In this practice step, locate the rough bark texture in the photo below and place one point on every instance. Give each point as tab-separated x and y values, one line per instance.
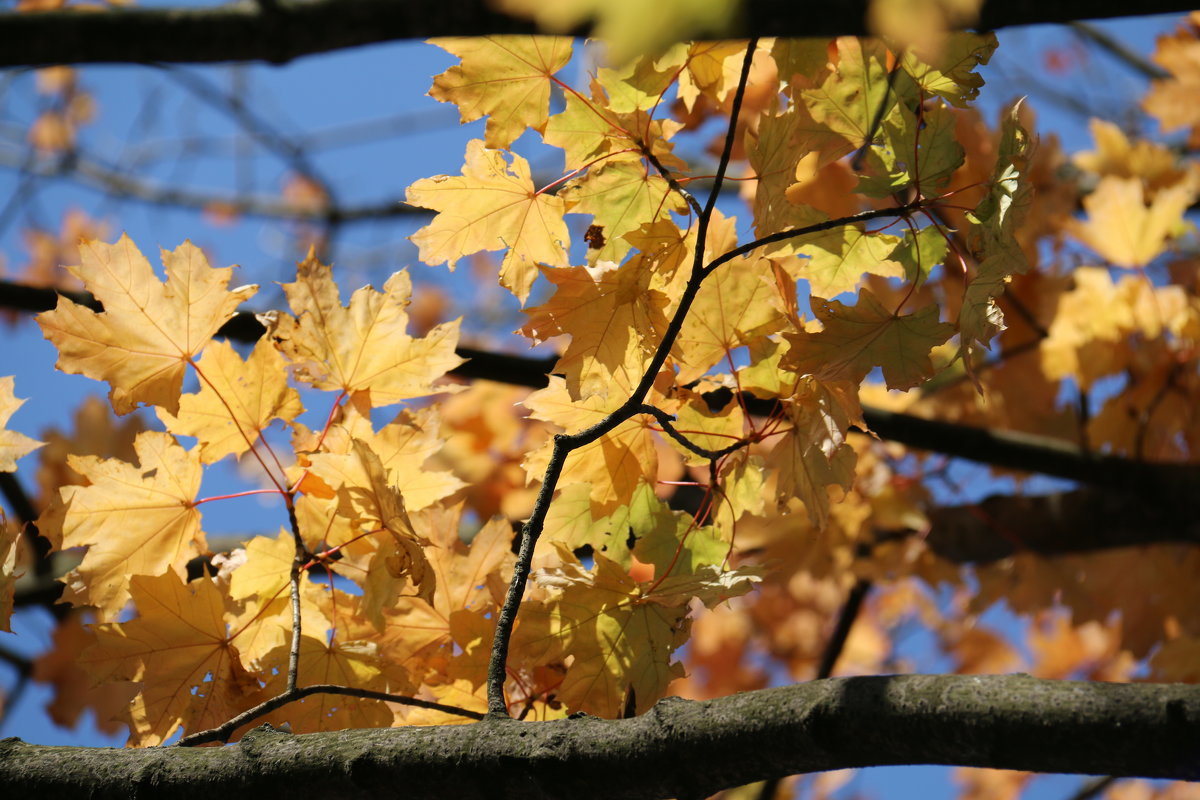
678	749
287	29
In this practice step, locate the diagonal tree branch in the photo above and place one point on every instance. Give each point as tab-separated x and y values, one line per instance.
287	29
677	749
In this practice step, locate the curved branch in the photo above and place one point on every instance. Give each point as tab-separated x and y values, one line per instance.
288	29
222	732
679	748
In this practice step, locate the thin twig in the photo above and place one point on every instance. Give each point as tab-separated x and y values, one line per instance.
1093	787
300	557
222	732
841	631
1120	51
22	664
565	443
666	421
102	178
692	202
782	236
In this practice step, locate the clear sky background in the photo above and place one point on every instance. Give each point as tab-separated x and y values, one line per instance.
366	124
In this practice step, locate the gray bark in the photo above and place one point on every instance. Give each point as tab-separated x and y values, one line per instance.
678	749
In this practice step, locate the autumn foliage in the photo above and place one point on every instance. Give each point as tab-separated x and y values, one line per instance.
697	481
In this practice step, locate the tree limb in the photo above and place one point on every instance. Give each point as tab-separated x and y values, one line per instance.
679	748
288	29
1080	521
1171	483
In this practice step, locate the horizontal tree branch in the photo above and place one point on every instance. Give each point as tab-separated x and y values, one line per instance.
283	30
1080	521
1005	449
679	748
101	178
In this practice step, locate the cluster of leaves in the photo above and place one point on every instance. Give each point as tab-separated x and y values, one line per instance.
883	245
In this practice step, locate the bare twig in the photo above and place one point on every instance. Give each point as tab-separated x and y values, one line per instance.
688	197
299	558
564	444
222	732
1119	51
1092	788
119	184
666	422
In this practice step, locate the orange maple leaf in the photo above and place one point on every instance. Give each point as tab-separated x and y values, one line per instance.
148	331
179	649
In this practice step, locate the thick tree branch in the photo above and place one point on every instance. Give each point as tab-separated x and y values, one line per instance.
677	749
1080	521
288	29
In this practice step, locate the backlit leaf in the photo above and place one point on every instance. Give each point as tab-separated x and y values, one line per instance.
505	78
362	348
134	520
492	206
856	339
13	445
148	331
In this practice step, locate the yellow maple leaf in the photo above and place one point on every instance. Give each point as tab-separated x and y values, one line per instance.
134	520
850	98
361	348
10	548
615	321
1173	100
492	206
506	78
736	305
355	664
712	69
614	464
179	649
13	445
641	84
588	130
403	446
856	339
1123	229
621	197
367	499
148	331
1116	155
419	635
236	402
259	587
947	68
